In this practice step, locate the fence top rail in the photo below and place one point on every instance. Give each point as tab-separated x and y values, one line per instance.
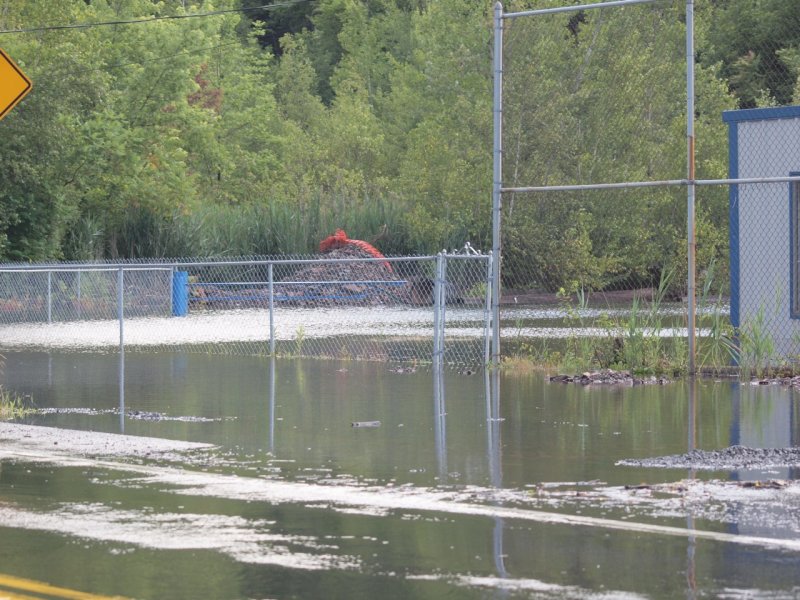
79	268
641	184
562	9
394	282
172	265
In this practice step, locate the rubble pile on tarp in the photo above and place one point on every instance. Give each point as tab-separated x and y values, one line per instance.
337	282
334	282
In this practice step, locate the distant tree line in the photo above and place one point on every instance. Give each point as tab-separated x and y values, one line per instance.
262	131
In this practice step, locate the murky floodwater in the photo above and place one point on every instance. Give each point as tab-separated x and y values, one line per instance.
469	487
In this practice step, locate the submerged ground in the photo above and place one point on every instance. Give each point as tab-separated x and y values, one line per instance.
235	477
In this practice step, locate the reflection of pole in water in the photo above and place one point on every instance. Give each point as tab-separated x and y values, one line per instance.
692	424
497	545
691	577
736	416
492	394
272	404
493	451
794	434
121	317
122	390
440	422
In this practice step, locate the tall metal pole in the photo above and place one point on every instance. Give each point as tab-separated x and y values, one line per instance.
487	317
690	210
121	315
497	178
49	296
437	313
271	312
78	295
121	308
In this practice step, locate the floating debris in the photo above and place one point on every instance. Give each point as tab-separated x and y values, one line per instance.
141	415
769	484
144	415
609	377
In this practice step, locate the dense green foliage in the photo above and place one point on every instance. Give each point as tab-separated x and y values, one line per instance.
262	131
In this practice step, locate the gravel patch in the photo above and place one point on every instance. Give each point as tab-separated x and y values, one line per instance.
731	458
609	377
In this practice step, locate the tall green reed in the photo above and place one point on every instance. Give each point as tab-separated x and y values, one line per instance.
259	229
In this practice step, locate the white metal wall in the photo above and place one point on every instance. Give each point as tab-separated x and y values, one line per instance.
765	143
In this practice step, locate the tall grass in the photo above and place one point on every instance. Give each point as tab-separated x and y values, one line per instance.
633	339
645	348
270	228
12	406
580	351
718	349
756	354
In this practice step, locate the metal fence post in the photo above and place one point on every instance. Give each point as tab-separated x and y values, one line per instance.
78	294
271	311
497	176
437	300
690	201
442	302
487	313
49	296
121	308
172	286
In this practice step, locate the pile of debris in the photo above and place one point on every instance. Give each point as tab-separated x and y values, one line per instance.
337	282
345	278
609	377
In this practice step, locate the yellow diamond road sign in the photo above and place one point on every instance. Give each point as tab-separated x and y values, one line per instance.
13	84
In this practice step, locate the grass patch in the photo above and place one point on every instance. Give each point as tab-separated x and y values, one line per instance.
638	340
13	406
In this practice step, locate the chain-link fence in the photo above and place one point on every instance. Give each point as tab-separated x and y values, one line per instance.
612	229
409	310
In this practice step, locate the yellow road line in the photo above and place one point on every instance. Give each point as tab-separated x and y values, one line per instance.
9	596
37	587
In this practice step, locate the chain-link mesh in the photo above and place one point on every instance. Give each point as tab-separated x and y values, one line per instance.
343	307
41	295
599	97
594	97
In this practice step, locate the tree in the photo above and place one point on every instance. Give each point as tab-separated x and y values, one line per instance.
754	42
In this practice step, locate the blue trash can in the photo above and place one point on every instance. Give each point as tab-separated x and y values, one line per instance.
180	293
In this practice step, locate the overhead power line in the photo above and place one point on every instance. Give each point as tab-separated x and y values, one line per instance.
152	19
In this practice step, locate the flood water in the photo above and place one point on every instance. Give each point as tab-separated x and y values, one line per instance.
471	486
